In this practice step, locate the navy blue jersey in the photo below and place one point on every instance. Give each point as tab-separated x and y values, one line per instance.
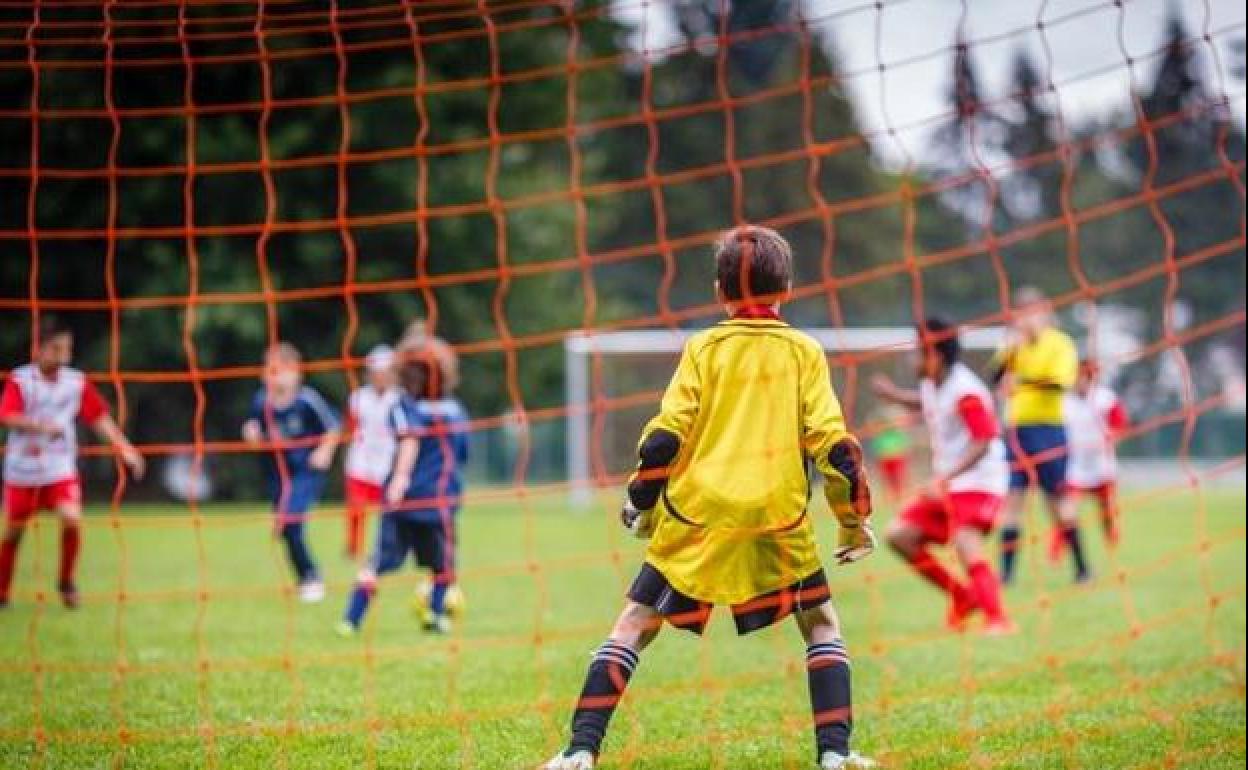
437	480
303	420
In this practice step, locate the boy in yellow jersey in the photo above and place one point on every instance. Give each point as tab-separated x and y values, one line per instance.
722	492
1036	371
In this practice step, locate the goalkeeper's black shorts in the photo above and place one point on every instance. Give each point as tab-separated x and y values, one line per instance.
651	588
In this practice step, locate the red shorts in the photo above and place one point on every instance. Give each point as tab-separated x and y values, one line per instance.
22	503
939	519
362	492
893	469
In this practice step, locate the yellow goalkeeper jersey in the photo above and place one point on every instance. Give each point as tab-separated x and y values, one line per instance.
1043	370
752	404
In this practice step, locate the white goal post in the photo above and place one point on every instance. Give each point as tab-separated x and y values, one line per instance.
580	348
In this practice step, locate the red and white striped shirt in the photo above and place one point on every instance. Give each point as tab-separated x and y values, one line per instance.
34	459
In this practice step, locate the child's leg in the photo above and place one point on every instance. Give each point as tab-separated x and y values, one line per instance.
391	549
20	505
70	512
1107	499
297	548
608	675
969	545
357	510
909	540
1064	511
828	676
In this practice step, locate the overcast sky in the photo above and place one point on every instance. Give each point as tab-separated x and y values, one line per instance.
1089	42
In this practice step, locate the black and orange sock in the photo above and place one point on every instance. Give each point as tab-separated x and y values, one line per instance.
605	682
827	674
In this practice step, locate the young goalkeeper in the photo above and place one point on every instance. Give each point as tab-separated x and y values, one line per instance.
722	491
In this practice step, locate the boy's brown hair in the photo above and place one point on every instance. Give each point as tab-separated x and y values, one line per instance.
754	264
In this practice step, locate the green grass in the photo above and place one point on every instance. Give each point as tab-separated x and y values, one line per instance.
1143	670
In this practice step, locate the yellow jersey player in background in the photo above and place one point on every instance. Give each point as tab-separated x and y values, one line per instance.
1035	372
722	492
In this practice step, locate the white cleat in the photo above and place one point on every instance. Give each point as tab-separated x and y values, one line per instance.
311	592
579	760
855	761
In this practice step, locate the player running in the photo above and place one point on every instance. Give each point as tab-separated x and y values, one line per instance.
40	405
370	453
423	493
303	433
721	489
1095	418
1035	372
970	476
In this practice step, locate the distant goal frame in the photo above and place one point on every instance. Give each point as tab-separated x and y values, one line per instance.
580	348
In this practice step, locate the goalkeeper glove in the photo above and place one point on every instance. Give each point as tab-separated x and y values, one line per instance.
640	523
854	542
849	496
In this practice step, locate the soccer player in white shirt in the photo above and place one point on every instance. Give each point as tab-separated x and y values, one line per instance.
40	405
970	478
370	454
1095	418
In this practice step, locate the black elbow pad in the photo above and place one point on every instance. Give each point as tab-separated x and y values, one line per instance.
845	457
658	451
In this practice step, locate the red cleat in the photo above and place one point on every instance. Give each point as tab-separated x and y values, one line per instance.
961	605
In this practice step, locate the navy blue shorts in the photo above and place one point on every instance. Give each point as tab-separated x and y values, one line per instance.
651	589
1040	449
427	542
300	492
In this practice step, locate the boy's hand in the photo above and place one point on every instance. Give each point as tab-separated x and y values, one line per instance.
134	461
640	523
854	543
252	432
322	457
394	493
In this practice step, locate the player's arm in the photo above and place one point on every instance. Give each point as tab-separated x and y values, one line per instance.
1117	419
107	429
253	426
13	413
660	444
838	458
94	412
404	462
331	432
884	387
980	422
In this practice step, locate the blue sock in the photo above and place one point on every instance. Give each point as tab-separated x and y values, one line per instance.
437	597
357	605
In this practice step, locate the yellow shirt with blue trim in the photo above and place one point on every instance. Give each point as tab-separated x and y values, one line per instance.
1042	371
753	406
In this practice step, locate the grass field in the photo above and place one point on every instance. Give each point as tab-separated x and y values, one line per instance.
190	652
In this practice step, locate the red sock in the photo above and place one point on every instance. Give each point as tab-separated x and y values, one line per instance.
987	590
71	539
355	528
8	558
936	573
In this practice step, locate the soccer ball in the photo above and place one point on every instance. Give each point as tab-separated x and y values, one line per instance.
424	589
